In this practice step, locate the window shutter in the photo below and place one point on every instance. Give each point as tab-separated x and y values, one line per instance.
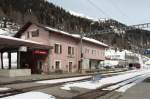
60	49
72	50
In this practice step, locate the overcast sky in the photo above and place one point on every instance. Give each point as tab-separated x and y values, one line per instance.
127	11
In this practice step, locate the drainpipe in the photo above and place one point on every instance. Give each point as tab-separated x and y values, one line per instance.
48	61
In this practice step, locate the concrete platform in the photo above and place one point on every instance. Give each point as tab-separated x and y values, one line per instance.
15	72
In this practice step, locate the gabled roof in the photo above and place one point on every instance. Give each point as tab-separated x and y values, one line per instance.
19	33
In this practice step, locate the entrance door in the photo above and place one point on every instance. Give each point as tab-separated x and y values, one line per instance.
79	66
57	65
39	66
70	66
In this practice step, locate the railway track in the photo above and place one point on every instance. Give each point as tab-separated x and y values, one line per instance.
97	93
11	92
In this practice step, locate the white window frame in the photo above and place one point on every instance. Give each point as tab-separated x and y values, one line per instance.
72	52
93	52
87	50
31	33
59	48
55	64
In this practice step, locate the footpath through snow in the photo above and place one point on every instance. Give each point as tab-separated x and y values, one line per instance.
104	81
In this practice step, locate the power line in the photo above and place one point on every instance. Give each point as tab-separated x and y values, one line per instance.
98	8
117	7
132	27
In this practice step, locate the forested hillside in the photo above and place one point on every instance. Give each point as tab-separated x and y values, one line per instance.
19	12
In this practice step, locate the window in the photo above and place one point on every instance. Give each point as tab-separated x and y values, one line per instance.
70	50
101	53
93	51
35	33
28	34
57	65
87	51
58	48
70	66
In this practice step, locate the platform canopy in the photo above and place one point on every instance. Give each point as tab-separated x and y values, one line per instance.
7	42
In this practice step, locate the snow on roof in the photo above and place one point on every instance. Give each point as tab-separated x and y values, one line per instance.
59	31
77	36
94	41
22	40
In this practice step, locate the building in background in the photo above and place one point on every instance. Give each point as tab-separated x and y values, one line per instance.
121	58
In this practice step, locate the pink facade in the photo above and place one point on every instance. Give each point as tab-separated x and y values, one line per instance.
63	41
93	51
42	38
63	57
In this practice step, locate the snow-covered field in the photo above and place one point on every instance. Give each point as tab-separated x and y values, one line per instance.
31	95
108	80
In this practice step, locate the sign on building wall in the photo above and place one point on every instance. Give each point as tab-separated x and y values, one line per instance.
42	52
23	49
147	52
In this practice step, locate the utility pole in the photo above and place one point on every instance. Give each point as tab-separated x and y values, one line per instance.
81	49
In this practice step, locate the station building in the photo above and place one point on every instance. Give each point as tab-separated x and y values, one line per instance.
52	50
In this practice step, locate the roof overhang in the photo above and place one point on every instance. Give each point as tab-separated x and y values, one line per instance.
12	42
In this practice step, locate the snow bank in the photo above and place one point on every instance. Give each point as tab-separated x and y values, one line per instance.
31	95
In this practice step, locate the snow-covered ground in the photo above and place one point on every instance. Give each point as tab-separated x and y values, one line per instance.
31	95
104	81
